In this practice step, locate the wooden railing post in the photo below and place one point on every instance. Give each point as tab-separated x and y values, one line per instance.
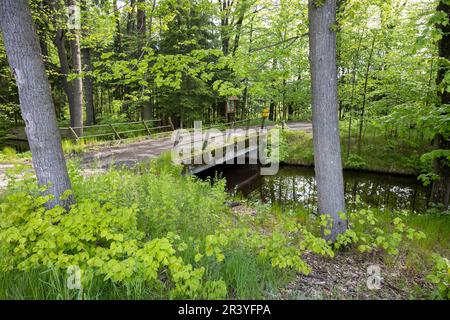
171	124
177	139
115	132
146	128
74	133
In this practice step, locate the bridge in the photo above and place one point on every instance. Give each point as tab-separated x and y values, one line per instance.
132	153
122	152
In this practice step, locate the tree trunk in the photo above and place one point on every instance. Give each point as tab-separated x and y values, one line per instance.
118	33
366	82
141	31
237	37
77	83
130	18
36	104
60	43
225	25
88	87
441	188
147	108
352	97
141	25
88	83
327	147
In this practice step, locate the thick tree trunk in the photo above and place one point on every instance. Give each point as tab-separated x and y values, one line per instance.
36	104
441	187
327	147
77	83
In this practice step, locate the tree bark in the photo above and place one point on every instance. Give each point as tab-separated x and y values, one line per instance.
36	104
77	83
147	108
60	42
130	18
88	86
441	187
352	97
366	82
327	147
118	33
88	83
225	32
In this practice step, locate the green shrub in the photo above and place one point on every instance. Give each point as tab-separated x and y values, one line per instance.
101	239
368	234
440	276
355	162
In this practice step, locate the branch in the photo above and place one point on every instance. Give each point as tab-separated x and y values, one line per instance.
293	39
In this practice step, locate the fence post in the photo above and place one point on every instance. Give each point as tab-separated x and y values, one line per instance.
115	132
171	124
177	139
146	127
74	133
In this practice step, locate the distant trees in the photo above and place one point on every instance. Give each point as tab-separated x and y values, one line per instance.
327	146
38	112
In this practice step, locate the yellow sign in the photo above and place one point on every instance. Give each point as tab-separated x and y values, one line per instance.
266	112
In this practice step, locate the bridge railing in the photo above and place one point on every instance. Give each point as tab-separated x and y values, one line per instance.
121	131
118	130
233	124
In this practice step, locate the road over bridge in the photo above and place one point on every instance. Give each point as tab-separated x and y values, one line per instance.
129	154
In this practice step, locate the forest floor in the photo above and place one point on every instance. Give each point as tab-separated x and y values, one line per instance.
346	275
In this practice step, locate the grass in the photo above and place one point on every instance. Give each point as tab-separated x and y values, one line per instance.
51	284
397	155
10	156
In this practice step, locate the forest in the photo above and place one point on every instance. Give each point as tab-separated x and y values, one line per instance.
349	99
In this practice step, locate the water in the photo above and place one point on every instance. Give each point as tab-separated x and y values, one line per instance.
297	186
17	144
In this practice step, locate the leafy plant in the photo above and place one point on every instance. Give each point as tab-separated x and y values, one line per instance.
440	275
368	235
355	161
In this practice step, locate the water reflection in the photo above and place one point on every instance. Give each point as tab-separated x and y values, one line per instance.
17	144
297	186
